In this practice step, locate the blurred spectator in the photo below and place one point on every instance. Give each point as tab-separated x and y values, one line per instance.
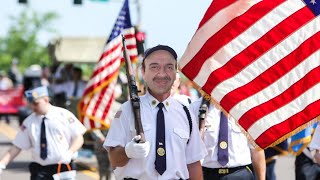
73	88
5	82
32	77
184	89
63	73
14	73
45	76
194	93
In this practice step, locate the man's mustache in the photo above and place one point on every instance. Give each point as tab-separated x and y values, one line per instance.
161	78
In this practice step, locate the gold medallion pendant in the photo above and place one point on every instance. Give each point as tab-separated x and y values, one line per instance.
161	151
223	145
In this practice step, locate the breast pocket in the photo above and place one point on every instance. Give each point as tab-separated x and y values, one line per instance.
238	138
211	135
181	137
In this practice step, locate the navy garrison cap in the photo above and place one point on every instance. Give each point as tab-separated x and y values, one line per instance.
36	93
160	47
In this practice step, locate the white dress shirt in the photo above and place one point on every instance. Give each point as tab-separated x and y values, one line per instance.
61	127
178	152
238	145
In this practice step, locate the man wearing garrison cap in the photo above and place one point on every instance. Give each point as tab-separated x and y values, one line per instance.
52	133
173	148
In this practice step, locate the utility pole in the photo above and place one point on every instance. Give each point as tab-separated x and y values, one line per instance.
138	14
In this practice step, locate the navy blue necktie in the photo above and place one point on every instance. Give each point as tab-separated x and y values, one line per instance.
43	140
160	163
75	90
223	140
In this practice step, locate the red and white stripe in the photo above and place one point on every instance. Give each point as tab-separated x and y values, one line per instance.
98	97
260	61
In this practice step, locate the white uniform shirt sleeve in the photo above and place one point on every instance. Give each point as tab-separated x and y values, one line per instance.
22	139
75	126
117	132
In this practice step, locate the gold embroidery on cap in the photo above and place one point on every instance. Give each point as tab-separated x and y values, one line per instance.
35	94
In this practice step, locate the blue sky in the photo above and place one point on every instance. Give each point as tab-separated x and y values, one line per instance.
171	22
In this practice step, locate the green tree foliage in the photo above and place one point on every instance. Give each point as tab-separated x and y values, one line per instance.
21	41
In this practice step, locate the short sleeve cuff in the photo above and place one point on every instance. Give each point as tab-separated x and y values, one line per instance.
111	143
198	157
19	145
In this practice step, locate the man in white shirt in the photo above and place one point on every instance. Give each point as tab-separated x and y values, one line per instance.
240	154
53	135
173	149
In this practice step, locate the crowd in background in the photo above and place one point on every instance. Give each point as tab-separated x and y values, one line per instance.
66	84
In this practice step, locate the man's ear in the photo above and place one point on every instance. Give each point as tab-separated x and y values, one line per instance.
46	99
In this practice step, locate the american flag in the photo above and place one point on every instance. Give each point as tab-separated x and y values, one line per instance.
94	107
260	61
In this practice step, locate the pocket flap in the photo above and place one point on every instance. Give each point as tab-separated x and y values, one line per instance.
181	133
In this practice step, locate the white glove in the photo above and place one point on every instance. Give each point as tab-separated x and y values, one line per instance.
2	167
137	150
66	158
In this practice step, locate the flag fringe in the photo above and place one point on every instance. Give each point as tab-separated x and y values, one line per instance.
282	153
103	123
250	139
291	151
302	127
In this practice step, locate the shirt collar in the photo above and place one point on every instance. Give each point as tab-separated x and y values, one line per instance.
153	102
